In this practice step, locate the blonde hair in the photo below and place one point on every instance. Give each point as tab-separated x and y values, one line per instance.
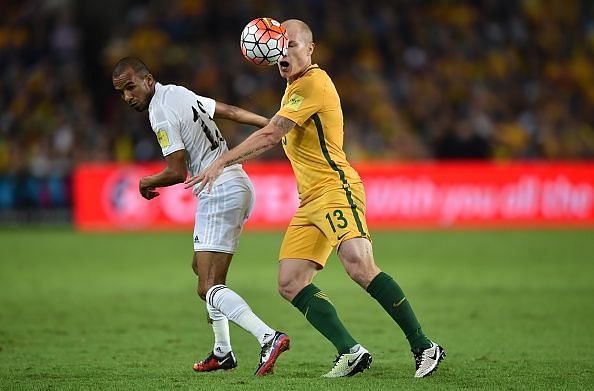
303	29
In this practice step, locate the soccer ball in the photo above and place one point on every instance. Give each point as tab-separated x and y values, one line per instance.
263	41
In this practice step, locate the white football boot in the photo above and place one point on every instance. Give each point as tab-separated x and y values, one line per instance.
428	360
349	364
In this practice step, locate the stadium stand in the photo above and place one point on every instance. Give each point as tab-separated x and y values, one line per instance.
419	79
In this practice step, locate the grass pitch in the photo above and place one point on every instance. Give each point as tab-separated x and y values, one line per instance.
514	310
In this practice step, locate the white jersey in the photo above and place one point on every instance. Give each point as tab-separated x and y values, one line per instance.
183	120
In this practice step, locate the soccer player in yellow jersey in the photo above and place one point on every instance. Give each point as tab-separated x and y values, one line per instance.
331	213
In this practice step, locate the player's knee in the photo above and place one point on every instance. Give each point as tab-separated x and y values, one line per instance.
358	276
201	292
362	273
287	288
195	265
203	289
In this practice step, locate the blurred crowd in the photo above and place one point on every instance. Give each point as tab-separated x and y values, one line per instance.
481	79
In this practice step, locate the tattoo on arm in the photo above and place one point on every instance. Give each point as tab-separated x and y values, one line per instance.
282	125
244	156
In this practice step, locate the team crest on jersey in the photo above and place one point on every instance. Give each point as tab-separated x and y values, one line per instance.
294	102
163	138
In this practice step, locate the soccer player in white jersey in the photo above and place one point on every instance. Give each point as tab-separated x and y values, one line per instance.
184	125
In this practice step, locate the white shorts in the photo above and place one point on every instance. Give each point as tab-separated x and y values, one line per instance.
221	213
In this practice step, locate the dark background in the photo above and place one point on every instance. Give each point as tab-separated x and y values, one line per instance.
419	80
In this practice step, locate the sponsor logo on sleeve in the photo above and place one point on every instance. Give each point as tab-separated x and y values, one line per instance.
294	102
163	138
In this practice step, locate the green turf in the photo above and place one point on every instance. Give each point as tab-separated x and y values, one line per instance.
514	310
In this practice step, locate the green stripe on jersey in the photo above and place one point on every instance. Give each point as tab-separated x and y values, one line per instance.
341	175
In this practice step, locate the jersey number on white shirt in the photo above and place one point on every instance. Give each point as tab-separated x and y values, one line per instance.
212	135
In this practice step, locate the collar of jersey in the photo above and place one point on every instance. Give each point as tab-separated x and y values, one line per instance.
158	87
309	68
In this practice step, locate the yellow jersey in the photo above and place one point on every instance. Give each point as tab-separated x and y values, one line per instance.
314	145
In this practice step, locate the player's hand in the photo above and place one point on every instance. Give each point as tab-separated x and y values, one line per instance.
206	177
146	191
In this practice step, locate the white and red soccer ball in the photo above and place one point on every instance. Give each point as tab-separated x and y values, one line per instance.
263	41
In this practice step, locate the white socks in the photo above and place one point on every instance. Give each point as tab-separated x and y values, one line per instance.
222	304
220	328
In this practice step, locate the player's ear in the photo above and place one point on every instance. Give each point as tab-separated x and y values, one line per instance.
150	80
310	49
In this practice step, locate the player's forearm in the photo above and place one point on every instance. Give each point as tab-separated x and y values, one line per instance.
167	177
247	117
256	120
256	144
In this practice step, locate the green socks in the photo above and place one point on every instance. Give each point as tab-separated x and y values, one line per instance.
387	292
320	312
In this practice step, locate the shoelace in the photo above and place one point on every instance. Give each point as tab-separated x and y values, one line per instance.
267	346
418	358
336	360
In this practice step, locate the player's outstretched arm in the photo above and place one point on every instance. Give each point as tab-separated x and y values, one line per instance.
237	114
175	172
257	143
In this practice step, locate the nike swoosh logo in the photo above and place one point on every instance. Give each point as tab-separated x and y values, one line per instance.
434	357
342	236
395	305
350	363
223	361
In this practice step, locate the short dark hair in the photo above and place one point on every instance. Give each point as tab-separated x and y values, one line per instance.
133	63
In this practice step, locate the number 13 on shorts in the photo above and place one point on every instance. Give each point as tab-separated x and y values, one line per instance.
338	216
343	216
324	223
